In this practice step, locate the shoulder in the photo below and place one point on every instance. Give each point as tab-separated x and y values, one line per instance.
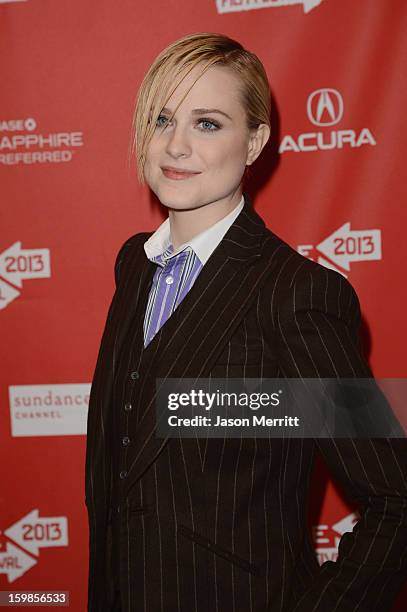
127	250
296	282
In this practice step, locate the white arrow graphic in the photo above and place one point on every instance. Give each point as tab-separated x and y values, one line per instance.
343	526
32	532
17	264
14	562
7	294
311	4
346	524
345	245
226	6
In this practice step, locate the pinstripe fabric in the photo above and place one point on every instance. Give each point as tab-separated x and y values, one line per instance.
215	525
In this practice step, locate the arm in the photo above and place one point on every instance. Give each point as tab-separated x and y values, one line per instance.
317	327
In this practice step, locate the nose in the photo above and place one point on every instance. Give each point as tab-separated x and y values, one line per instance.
177	144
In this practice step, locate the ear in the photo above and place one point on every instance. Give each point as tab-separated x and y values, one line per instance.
257	140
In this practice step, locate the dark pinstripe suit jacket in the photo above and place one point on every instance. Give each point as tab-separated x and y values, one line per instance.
220	525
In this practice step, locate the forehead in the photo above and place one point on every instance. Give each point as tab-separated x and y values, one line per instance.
218	87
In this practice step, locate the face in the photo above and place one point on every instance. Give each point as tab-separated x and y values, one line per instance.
200	156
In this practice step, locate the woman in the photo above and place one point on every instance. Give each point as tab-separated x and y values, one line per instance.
220	524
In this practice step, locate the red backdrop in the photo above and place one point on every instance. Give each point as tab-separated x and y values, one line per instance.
70	72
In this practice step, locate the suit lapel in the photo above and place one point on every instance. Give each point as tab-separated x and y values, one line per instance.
133	297
199	328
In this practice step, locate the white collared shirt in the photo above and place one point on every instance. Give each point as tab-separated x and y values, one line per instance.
203	244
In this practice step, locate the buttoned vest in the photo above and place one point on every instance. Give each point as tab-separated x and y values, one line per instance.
132	373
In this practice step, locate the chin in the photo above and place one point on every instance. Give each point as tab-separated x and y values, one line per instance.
178	196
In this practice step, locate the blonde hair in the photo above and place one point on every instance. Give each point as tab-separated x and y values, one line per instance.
182	56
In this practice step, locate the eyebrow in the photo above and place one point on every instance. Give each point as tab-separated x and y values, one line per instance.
201	111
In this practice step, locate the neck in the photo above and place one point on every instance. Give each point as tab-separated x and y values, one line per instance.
185	224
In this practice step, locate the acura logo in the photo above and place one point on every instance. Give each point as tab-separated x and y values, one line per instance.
325	107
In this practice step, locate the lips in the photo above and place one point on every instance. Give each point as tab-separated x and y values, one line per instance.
177	173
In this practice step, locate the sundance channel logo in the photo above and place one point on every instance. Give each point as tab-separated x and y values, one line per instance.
49	410
325	110
232	6
21	142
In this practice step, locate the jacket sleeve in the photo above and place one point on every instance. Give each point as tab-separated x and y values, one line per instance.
317	325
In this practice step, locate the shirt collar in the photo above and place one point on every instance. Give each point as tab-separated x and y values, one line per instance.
202	244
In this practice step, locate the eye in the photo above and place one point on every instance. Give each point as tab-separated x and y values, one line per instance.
160	123
208	125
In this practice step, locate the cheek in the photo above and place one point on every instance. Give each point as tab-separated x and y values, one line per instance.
153	153
147	171
227	154
151	164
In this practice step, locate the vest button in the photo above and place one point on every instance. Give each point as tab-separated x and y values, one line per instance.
134	375
128	407
126	441
123	474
